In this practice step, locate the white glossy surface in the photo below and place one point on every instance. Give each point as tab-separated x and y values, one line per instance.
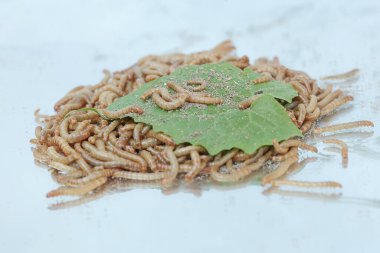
47	48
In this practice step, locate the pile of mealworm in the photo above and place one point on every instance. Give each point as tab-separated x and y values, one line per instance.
84	151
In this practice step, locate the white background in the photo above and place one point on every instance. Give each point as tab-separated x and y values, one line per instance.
49	47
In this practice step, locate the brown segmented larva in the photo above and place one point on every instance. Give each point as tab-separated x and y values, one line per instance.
280	182
106	164
325	92
164	93
75	136
55	156
151	77
187	150
248	102
285	145
299	88
161	137
157	154
145	130
105	173
312	104
172	105
335	104
306	126
140	176
62	167
105	132
69	107
224	159
342	145
204	100
149	159
343	126
63	178
128	127
293	152
148	142
281	170
136	134
196	160
329	98
240	173
81	190
262	79
314	115
347	75
174	167
292	117
129	156
100	144
201	85
256	156
314	88
103	90
302	114
122	112
241	156
177	88
82	125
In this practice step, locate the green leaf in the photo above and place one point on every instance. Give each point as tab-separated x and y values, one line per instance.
223	126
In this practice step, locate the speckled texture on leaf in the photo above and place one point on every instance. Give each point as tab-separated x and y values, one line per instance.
224	126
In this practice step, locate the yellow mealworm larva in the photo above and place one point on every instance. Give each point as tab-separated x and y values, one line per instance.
129	156
196	160
158	155
312	104
306	126
281	170
100	144
224	158
347	75
62	167
83	189
314	115
55	156
342	145
247	103
343	126
161	137
280	182
263	79
174	167
300	89
325	92
172	105
75	136
241	157
136	134
201	85
240	173
302	114
293	152
187	150
122	112
278	148
285	145
335	104
105	132
105	173
329	98
204	100
256	156
149	159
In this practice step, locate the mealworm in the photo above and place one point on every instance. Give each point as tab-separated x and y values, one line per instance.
103	90
106	173
293	152
122	112
201	85
256	156
330	97
325	92
61	167
129	156
136	134
347	75
164	93
241	173
204	100
172	105
75	136
299	88
343	126
302	114
281	170
55	156
335	104
196	160
100	145
148	142
149	159
314	115
285	145
312	104
280	182
224	158
81	190
161	137
248	102
342	145
187	150
105	132
173	167
262	79
306	126
158	155
241	156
